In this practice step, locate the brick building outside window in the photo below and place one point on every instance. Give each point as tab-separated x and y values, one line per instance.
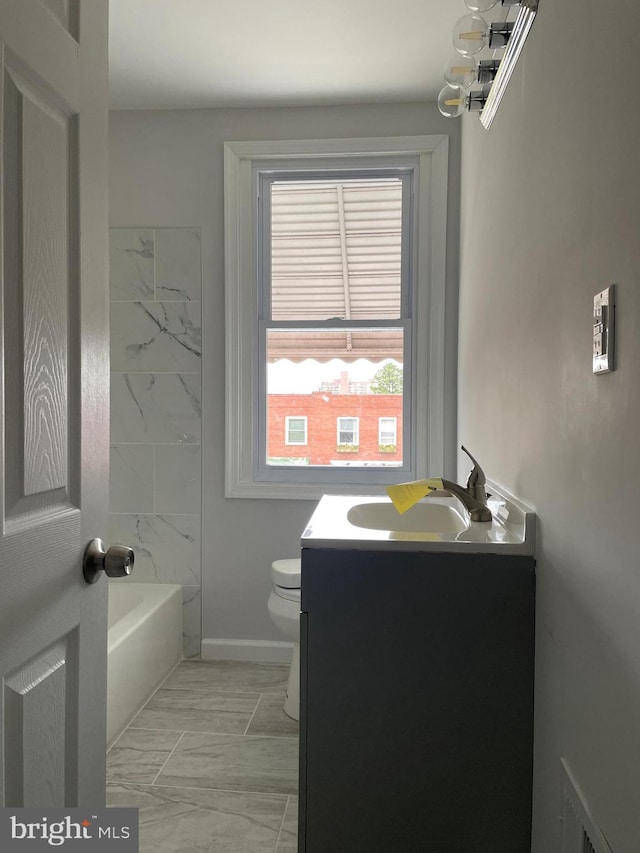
341	429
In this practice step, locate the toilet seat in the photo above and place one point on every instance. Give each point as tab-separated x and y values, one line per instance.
286	574
287	594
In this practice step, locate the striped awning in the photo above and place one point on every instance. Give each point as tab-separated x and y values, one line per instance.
348	346
336	253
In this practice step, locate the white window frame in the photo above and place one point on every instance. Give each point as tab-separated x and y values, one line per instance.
395	429
356	431
427	411
288	419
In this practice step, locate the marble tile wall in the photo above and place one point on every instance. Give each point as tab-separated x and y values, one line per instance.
155	504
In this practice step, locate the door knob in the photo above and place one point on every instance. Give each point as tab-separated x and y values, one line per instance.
116	562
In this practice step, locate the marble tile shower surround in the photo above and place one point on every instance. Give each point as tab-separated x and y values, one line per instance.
156	341
211	762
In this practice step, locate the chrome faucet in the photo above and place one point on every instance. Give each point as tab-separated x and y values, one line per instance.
474	496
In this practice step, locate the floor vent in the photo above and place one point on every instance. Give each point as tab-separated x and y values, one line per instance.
580	833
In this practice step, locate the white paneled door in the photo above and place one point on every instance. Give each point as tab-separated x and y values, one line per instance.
54	396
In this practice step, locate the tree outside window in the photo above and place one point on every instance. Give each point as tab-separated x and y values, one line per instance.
388	379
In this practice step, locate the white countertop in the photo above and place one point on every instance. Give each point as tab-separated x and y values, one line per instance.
512	530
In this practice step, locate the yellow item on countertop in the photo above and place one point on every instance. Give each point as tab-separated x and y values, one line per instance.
405	495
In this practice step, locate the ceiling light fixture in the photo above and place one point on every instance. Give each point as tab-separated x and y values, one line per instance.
471	35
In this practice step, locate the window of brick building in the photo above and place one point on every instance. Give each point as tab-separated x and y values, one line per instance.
296	430
387	432
348	431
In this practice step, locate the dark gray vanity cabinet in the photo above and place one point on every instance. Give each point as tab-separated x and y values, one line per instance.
416	724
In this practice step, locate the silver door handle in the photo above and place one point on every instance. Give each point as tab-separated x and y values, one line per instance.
116	561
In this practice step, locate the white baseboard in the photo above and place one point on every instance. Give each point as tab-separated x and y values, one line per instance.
262	651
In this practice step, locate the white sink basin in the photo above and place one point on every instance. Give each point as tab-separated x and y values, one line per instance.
427	517
436	523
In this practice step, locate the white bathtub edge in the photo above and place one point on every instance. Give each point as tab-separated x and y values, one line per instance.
124	722
147	649
259	651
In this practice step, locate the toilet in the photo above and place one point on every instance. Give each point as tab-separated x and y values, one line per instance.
284	609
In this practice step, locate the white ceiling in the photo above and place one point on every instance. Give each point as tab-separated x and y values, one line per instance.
211	53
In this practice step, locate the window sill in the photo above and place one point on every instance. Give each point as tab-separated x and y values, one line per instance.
305	491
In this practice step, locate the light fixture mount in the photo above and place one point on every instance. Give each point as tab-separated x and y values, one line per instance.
521	27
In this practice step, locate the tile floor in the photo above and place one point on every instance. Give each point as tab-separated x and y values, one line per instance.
211	762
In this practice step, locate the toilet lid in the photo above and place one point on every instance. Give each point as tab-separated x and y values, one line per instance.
286	573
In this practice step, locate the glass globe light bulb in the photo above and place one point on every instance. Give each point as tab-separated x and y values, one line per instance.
452	101
480	5
461	71
470	35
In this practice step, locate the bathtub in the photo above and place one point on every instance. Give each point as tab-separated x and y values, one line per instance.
144	645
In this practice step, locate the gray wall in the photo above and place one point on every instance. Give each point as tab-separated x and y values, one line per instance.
167	171
550	216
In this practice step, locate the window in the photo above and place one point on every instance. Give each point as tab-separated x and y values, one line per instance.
329	275
296	430
348	431
387	432
334	296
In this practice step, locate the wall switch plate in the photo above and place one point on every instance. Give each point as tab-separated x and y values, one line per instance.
603	330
